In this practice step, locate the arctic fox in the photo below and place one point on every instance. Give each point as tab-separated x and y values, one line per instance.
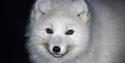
60	32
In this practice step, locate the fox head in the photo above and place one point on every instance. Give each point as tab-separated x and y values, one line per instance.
59	28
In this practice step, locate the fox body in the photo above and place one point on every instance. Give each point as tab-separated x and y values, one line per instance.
62	31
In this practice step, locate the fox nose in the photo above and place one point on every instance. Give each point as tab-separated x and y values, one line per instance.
56	49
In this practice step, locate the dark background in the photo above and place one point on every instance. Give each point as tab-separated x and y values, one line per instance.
16	14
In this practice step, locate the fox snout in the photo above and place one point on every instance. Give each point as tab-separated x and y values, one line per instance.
57	47
57	50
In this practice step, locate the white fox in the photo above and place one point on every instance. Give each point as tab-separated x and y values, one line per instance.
61	32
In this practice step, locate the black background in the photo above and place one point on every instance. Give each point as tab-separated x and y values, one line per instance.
16	14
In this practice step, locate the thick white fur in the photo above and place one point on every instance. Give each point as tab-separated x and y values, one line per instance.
95	40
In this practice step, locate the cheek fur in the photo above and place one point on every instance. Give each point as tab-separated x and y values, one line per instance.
74	50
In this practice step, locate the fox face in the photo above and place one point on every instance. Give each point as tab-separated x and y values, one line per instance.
60	32
60	35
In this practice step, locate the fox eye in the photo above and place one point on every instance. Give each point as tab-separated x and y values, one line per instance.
49	31
69	32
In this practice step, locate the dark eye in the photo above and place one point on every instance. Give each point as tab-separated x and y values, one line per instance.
69	32
49	31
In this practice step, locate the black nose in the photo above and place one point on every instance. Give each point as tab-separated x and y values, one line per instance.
56	49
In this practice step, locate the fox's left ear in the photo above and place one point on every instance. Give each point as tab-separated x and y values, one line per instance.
80	9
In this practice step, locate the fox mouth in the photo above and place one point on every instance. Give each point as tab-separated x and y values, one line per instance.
57	55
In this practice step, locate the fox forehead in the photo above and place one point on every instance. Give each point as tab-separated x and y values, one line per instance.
63	20
63	23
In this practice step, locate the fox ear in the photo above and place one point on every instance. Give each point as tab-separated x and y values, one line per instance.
40	8
80	9
44	6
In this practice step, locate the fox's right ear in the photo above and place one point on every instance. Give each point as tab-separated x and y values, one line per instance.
40	8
